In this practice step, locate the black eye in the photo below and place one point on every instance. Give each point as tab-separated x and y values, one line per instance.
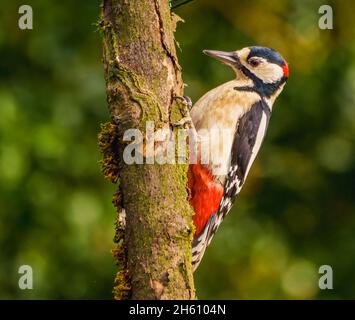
254	62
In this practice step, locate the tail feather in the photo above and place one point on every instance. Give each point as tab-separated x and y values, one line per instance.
201	242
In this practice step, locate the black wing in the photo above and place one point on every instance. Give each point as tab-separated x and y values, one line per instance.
250	131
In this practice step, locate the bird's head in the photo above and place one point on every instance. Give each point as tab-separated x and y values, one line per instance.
265	66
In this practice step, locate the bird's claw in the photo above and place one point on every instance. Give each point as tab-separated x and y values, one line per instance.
182	122
187	103
185	100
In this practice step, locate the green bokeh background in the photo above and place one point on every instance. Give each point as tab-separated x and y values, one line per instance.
296	211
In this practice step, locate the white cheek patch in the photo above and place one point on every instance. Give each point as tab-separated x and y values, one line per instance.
268	72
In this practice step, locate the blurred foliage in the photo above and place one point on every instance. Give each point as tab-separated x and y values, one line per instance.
296	211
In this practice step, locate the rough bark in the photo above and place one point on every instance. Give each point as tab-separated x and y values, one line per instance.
142	76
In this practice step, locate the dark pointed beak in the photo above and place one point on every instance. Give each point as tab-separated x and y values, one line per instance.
226	57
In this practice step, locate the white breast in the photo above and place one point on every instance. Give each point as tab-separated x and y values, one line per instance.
215	117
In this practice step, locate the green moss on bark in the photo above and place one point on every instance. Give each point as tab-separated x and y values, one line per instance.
108	140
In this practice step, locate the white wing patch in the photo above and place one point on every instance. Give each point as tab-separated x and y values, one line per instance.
259	139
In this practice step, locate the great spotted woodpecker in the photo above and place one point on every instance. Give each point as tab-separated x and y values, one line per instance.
243	106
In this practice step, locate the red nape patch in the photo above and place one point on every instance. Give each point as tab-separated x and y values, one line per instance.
205	196
285	69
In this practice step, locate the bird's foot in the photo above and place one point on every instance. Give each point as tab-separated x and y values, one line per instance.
187	104
193	136
185	100
182	122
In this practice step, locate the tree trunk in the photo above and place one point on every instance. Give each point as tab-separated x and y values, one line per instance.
142	76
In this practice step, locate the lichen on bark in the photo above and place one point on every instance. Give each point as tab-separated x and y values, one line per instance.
142	76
